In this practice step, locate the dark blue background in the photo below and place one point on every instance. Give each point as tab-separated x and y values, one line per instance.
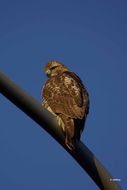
89	37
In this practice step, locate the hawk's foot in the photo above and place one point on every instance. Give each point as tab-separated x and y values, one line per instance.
70	144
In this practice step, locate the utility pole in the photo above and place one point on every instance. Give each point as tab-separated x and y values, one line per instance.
86	159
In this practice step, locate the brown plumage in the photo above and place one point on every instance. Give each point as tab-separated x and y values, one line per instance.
65	96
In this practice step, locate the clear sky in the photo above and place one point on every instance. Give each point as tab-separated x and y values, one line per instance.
89	37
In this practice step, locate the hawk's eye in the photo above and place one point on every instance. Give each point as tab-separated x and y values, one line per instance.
52	68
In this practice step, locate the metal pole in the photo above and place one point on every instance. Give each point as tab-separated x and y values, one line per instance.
46	120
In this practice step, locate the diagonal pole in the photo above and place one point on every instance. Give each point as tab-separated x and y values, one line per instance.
86	159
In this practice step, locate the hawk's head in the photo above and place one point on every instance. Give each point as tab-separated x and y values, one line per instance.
53	68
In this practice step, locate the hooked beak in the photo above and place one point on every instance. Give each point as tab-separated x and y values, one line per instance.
48	73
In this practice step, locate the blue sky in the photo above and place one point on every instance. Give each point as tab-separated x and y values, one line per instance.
89	37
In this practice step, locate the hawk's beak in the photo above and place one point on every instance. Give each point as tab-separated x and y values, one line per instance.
48	72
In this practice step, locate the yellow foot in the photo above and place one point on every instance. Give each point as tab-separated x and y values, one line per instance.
70	146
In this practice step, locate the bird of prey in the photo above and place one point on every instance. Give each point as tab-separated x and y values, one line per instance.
65	96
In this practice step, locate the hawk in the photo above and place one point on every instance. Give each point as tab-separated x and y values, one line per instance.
65	96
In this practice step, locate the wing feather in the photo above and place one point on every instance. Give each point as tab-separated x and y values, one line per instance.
66	94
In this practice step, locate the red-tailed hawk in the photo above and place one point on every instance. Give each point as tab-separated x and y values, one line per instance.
65	96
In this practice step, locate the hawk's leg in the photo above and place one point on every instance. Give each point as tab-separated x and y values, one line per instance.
69	137
69	129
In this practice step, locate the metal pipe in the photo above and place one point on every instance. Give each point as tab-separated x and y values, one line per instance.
86	159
